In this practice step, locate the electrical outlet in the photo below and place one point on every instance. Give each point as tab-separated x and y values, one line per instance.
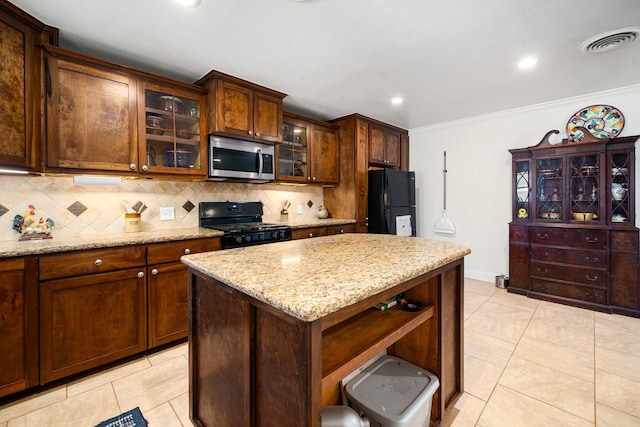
299	209
167	214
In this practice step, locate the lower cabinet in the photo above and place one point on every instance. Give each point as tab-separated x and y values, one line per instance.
308	232
95	317
168	280
18	325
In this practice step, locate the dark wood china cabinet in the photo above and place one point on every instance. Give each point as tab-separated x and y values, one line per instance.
572	238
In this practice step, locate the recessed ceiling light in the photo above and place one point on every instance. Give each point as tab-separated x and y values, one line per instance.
397	100
527	62
188	3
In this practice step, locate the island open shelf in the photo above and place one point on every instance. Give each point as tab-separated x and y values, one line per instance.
349	345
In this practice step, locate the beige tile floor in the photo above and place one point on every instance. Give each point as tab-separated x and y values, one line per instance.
527	363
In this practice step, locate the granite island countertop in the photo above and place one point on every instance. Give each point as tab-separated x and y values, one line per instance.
311	278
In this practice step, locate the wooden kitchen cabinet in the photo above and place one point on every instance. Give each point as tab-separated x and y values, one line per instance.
91	114
572	238
168	288
319	231
93	309
309	151
21	37
349	199
242	109
19	324
384	146
172	137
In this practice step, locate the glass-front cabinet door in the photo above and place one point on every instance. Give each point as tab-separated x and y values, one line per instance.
522	203
621	205
171	132
584	187
292	153
549	189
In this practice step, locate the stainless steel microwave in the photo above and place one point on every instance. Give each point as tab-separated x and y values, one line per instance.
243	160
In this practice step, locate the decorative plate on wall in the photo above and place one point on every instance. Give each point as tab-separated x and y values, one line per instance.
602	121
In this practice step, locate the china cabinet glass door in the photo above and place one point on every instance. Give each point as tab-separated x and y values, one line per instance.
584	187
620	197
522	202
549	189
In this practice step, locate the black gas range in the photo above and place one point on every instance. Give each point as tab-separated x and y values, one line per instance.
241	223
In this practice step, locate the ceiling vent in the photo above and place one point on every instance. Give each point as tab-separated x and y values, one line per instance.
610	40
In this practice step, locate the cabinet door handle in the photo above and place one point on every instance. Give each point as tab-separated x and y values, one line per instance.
251	133
187	251
140	274
341	231
591	279
313	179
154	271
132	166
97	262
591	240
591	260
145	168
543	236
310	234
257	134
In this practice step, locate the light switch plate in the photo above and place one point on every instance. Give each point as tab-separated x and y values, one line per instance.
167	214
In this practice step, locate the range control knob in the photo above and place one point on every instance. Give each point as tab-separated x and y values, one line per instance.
238	239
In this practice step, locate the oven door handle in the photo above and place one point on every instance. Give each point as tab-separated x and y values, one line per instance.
260	162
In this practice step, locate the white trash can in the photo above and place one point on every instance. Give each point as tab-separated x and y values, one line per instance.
392	392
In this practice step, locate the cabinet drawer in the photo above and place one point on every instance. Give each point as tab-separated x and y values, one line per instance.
172	251
340	229
304	233
579	238
592	259
518	233
588	276
622	241
583	293
77	263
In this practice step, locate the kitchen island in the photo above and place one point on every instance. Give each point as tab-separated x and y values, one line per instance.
274	328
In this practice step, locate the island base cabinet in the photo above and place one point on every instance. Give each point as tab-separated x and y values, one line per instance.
91	320
252	365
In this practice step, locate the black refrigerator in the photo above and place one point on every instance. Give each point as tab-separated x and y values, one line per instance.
392	202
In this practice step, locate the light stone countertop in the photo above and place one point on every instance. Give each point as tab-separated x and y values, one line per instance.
310	278
96	241
15	248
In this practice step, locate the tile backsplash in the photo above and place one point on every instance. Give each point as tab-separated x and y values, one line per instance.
78	209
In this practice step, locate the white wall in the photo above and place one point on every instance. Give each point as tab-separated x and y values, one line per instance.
479	171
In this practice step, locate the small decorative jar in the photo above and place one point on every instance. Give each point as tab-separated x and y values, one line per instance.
322	212
284	215
132	223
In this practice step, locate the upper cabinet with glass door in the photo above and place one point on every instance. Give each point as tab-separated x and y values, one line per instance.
171	131
580	183
292	153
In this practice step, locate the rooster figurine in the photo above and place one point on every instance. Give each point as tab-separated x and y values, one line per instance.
31	229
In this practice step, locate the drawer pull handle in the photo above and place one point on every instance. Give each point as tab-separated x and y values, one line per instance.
97	262
187	251
590	240
140	274
591	279
542	270
622	242
592	296
310	234
519	235
543	236
154	271
591	260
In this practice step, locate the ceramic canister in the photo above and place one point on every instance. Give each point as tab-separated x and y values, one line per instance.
132	222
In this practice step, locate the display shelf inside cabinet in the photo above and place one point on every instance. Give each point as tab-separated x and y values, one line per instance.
573	202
